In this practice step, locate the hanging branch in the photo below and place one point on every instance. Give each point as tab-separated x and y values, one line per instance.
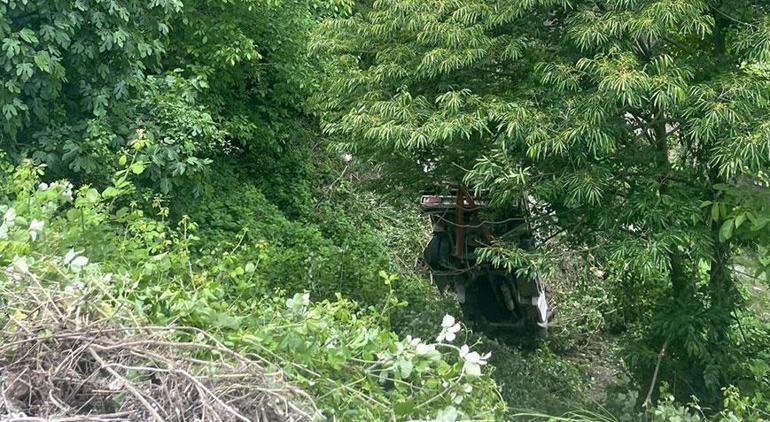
648	399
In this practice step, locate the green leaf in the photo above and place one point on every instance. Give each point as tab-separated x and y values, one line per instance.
739	219
404	408
111	192
760	223
92	196
137	168
25	70
43	61
165	185
405	368
9	111
726	231
11	47
28	35
74	214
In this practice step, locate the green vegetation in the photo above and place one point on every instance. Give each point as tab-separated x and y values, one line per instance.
340	353
245	173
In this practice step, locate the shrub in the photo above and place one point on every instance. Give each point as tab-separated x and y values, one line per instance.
344	355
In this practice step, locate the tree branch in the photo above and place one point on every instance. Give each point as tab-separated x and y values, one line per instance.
648	399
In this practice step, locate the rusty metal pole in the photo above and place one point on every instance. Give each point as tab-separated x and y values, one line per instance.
459	223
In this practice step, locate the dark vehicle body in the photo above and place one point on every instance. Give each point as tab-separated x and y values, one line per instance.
489	296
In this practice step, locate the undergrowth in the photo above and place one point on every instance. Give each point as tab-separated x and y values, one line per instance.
342	353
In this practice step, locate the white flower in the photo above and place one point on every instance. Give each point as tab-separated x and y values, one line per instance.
298	303
69	256
36	225
446	335
449	329
474	357
464	349
467	388
473	361
448	321
20	264
447	414
457	398
67	190
78	263
42	186
423	349
413	341
472	369
9	216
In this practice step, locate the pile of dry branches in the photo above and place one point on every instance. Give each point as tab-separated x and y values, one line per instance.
67	356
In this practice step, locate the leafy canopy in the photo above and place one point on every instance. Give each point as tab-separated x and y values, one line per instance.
635	128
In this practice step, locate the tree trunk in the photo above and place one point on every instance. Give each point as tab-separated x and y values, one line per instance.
678	276
722	290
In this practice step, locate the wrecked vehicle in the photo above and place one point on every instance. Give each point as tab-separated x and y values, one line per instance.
490	297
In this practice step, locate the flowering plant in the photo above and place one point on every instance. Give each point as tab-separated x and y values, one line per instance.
344	356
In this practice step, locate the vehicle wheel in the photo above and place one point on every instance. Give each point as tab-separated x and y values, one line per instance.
436	251
470	307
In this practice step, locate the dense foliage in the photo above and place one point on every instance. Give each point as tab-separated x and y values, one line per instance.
342	354
250	167
636	130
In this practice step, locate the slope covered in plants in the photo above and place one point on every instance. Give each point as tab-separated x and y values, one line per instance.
232	185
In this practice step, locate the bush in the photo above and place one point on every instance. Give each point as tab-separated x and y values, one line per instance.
101	359
344	355
328	257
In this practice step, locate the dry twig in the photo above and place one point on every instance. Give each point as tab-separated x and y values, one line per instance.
63	360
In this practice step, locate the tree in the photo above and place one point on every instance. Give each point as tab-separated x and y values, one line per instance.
67	62
253	58
635	128
201	79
